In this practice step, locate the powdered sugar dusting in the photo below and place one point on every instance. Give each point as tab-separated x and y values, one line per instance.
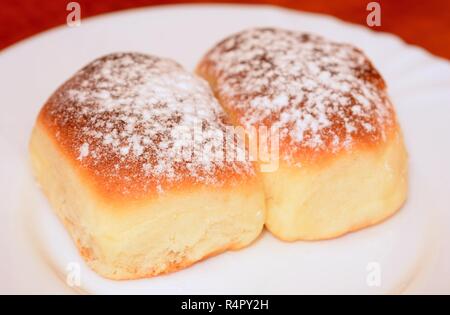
322	95
125	115
84	151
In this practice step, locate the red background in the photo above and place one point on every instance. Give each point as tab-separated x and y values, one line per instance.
424	23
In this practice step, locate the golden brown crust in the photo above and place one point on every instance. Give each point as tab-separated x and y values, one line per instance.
115	120
113	234
322	96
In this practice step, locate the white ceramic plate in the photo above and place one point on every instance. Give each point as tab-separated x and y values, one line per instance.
411	249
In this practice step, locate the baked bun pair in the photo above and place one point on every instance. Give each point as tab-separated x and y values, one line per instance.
132	151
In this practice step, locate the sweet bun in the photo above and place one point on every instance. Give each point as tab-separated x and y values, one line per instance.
104	150
342	160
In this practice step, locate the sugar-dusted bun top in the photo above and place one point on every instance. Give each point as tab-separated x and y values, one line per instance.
322	95
125	118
